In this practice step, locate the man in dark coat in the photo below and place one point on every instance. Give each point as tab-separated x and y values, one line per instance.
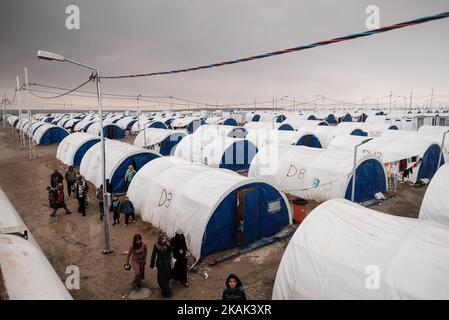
55	178
234	289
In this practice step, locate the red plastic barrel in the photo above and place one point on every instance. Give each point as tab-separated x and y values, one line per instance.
299	210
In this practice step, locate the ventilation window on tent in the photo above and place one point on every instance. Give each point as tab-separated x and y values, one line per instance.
274	206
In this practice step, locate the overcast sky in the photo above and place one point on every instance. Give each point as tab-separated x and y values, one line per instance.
136	36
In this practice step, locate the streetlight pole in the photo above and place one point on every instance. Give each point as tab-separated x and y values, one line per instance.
354	167
138	122
19	102
30	139
106	196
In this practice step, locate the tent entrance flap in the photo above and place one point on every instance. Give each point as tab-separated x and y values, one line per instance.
370	179
251	214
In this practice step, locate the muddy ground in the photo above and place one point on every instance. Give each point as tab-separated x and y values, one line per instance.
76	240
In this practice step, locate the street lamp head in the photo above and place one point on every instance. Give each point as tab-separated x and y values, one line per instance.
50	56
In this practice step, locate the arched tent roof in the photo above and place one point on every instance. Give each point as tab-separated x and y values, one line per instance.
156	124
230	122
160	140
73	147
433	130
229	153
318	174
340	244
435	206
425	155
119	156
49	134
171	193
255	118
82	125
346	118
26	272
71	123
127	123
331	118
110	131
261	137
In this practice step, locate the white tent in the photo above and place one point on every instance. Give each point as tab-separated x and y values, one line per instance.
110	130
318	174
341	248
160	140
435	205
73	147
171	193
261	137
119	156
26	272
49	133
219	151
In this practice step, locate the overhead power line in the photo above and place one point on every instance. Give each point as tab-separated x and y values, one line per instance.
294	49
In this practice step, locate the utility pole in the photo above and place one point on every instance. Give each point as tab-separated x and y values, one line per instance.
390	102
31	146
411	99
19	102
431	100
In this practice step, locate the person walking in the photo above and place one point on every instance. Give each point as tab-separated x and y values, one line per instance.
80	188
129	175
59	200
179	272
138	252
161	258
127	208
109	187
234	289
55	178
51	197
115	208
70	178
99	194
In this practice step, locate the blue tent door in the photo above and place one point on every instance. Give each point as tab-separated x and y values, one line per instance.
251	216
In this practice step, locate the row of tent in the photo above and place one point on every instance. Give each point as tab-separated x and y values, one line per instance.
345	251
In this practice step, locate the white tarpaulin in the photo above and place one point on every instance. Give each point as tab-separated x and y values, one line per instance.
116	152
172	193
71	144
26	272
435	205
314	173
345	251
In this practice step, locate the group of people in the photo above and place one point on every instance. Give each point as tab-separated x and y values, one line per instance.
77	185
161	258
163	250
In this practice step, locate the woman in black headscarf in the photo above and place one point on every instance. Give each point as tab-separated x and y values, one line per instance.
234	289
161	257
179	272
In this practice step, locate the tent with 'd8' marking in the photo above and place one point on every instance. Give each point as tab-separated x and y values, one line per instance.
207	204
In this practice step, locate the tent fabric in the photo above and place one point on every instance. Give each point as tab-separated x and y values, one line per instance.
119	156
318	174
110	130
262	137
160	140
220	152
435	205
172	193
24	280
390	151
49	134
340	247
73	147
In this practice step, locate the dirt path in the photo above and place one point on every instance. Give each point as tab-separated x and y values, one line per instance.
76	240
